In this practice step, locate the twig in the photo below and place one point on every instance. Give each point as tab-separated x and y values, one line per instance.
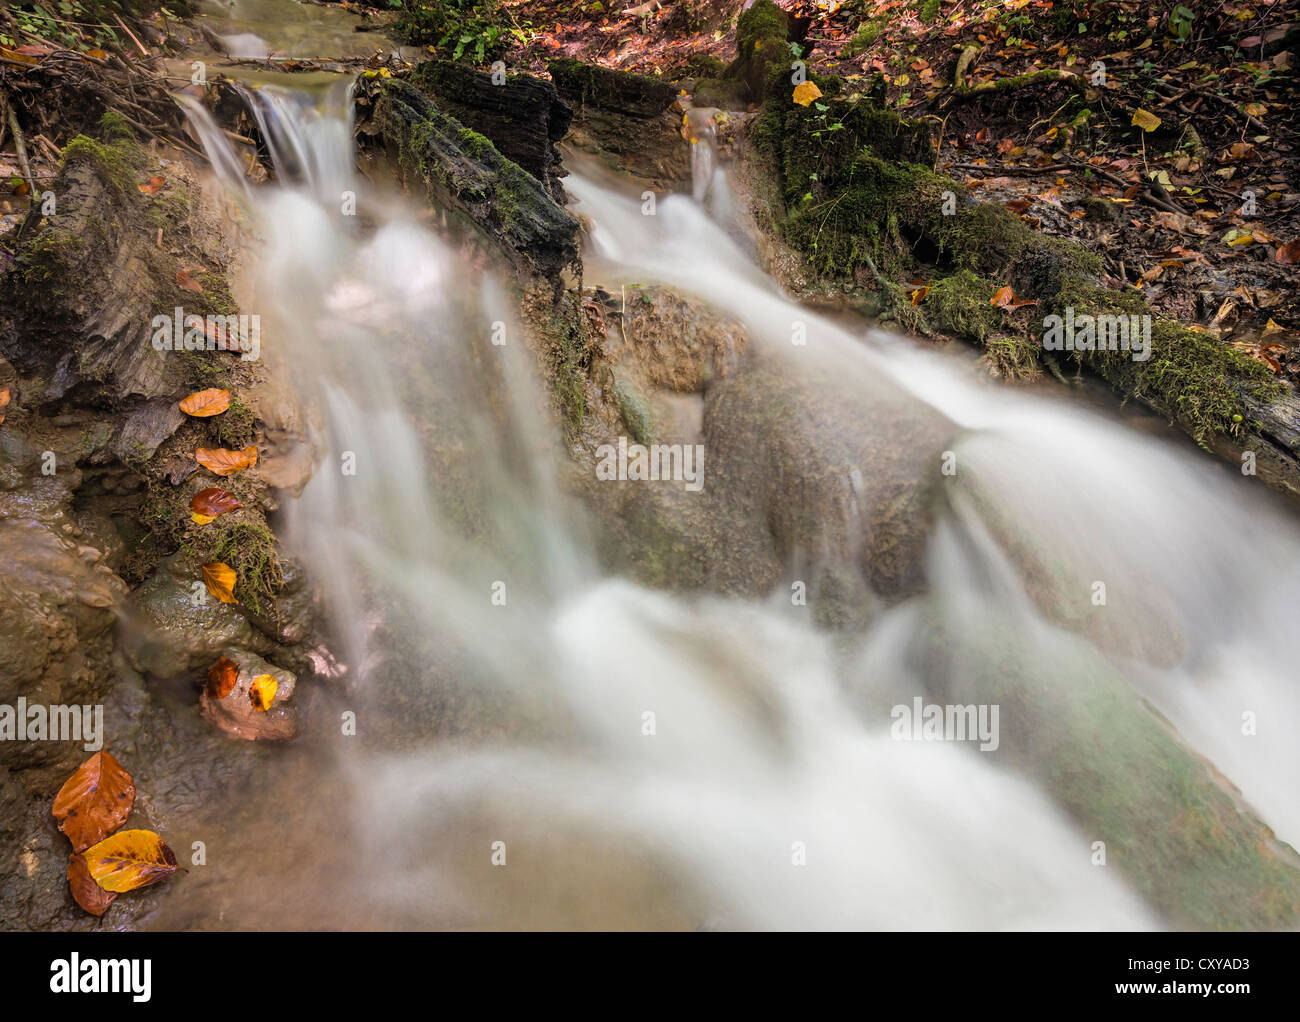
143	51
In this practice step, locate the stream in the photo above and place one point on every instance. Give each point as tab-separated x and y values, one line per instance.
501	775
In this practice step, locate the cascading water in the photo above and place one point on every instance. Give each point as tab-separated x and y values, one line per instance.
512	729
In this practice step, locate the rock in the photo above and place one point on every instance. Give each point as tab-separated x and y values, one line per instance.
524	117
167	634
235	715
56	622
671	341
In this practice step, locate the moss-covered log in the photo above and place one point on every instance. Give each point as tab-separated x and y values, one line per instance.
523	116
463	171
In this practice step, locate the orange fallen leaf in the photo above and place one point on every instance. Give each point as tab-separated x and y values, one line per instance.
153	185
223	462
220	579
130	859
261	693
94	801
185	278
204	403
4	401
85	892
222	677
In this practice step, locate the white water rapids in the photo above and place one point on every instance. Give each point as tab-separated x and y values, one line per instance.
770	746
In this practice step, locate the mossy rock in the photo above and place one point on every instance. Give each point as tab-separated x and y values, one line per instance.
761	46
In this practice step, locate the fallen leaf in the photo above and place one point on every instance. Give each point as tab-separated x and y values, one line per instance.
212	502
185	279
130	859
1286	255
806	92
261	693
918	296
4	401
222	677
220	579
204	403
1005	298
223	462
1145	120
94	801
153	185
1018	205
85	892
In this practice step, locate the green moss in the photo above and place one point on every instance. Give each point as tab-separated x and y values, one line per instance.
251	549
761	48
116	158
236	426
1014	358
867	33
959	304
634	410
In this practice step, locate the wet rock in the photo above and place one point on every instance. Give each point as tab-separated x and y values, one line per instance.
671	341
173	627
235	714
56	620
847	505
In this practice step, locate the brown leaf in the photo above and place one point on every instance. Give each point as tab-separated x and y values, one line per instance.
204	403
222	677
220	579
1287	255
94	801
185	280
1005	298
85	892
214	502
153	185
130	859
223	462
1018	205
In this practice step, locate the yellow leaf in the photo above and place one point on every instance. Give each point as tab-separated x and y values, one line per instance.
220	580
806	92
261	693
1145	120
130	859
201	519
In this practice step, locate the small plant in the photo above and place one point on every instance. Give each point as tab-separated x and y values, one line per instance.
481	30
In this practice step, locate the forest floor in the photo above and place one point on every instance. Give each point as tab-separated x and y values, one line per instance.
1166	143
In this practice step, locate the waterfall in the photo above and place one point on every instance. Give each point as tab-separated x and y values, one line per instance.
509	779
